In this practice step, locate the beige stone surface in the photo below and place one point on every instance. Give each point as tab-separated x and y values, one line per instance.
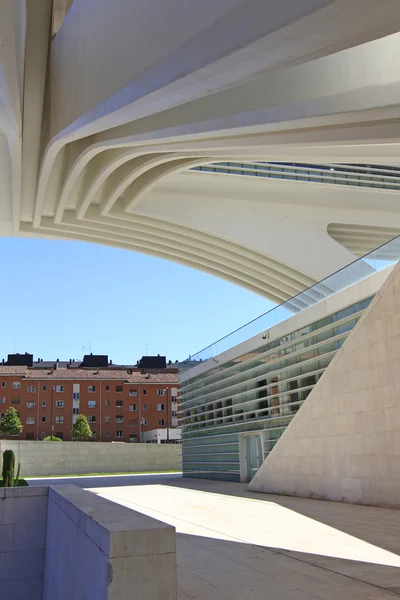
100	550
344	443
237	545
65	458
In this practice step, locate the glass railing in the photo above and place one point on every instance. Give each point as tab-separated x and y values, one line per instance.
371	176
381	258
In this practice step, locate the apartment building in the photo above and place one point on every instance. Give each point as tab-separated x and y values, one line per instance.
122	403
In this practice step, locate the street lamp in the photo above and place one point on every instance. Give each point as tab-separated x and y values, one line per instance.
166	391
52	412
142	424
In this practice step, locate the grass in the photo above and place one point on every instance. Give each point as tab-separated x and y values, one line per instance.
21	483
101	474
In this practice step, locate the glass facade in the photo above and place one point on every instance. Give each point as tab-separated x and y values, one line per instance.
259	391
371	176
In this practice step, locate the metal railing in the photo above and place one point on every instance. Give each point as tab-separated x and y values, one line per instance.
377	260
370	176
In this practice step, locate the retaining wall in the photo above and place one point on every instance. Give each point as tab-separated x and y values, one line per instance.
68	458
65	543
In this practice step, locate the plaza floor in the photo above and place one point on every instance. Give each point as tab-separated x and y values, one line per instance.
236	545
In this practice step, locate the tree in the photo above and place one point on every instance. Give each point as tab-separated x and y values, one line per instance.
10	424
81	430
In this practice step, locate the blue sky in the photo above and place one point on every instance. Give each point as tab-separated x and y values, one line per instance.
60	297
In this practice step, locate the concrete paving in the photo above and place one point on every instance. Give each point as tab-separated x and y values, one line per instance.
237	545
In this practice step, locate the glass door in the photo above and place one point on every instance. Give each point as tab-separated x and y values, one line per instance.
254	455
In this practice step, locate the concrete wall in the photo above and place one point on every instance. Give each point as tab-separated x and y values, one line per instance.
98	549
65	543
344	443
23	522
63	458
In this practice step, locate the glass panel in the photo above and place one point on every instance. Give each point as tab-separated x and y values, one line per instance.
384	256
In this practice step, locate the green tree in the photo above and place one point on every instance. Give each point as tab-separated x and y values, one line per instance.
81	430
11	424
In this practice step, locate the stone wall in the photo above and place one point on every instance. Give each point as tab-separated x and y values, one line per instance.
344	443
66	543
23	522
69	458
98	549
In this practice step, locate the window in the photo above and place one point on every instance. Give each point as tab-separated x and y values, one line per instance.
119	434
3	400
91	403
3	384
44	404
132	407
16	385
94	434
60	434
44	387
59	403
160	406
133	392
144	406
107	388
174	413
76	396
42	435
59	388
30	436
161	421
143	422
118	388
133	423
30	404
107	419
43	419
144	392
30	420
106	434
92	419
59	420
91	388
107	403
133	438
160	392
31	388
15	400
75	411
119	403
119	419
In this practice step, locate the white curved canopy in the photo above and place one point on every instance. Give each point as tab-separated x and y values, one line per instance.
100	129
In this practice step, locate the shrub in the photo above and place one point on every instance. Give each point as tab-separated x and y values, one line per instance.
52	439
9	468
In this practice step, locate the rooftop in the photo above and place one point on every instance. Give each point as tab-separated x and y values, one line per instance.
125	375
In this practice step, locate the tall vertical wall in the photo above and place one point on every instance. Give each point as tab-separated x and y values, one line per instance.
344	443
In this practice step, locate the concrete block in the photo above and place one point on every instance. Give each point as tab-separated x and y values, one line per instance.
29	536
137	575
6	538
21	565
25	589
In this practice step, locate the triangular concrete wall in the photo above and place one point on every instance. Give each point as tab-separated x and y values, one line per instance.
344	443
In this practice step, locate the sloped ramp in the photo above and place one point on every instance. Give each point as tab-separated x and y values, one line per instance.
344	443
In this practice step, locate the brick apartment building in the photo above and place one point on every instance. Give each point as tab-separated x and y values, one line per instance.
122	403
